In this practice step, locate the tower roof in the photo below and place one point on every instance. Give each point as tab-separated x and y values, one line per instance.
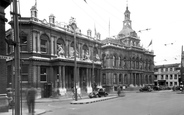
127	11
34	8
127	27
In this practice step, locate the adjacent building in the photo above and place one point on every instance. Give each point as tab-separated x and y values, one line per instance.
124	60
167	75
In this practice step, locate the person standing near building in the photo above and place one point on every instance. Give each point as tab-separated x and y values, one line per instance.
31	93
119	90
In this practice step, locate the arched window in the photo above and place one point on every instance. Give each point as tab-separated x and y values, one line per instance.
120	78
119	61
114	61
114	79
44	44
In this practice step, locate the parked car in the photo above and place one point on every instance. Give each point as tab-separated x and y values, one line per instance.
101	92
156	88
145	88
93	94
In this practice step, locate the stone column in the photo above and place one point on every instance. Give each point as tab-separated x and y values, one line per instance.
38	42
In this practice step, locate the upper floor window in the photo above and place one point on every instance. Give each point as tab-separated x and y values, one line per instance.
166	77
162	76
171	77
44	43
175	76
23	43
114	62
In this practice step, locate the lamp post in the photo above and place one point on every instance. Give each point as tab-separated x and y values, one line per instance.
73	25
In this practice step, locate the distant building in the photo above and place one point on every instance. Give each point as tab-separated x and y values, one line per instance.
167	75
124	60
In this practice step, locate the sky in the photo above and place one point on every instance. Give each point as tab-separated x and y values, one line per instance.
164	18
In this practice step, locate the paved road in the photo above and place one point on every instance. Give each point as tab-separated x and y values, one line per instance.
154	103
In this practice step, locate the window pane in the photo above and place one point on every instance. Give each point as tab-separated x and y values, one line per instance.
43	77
24	69
43	49
23	40
24	77
43	70
43	42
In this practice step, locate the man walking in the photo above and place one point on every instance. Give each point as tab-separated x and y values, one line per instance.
31	93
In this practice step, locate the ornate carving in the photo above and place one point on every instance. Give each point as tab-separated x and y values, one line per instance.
60	50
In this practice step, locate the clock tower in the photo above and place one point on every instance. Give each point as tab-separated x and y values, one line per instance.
127	21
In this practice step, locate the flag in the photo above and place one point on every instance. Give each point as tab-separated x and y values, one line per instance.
150	43
85	1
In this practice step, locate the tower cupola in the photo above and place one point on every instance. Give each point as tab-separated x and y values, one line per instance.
34	10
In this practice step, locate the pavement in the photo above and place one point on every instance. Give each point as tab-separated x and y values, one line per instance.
84	100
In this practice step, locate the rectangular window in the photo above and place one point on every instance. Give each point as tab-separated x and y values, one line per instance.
23	43
166	77
104	79
175	83
155	77
24	72
43	74
43	46
120	79
114	79
171	83
175	76
162	76
171	77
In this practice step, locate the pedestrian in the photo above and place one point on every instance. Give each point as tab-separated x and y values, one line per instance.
119	90
31	93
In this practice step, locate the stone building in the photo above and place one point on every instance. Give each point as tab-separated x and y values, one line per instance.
124	61
167	75
47	56
3	5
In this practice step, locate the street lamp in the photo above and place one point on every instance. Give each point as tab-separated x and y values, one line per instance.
73	25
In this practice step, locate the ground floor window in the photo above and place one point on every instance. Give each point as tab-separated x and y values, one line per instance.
24	72
43	74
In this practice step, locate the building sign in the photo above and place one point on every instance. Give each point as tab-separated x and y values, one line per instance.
6	57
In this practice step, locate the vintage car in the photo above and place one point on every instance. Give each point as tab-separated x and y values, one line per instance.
146	89
100	92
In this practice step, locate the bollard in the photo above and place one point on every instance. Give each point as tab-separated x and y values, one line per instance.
4	106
